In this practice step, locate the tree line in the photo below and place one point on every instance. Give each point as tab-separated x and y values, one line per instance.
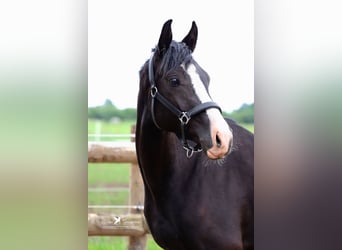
245	114
108	112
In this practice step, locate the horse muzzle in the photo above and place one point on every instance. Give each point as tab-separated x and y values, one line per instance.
221	136
221	148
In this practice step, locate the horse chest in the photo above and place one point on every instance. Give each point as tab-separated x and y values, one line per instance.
196	215
197	229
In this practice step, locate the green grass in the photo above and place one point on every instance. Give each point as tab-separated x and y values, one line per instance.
113	175
107	243
108	198
110	175
116	243
123	127
248	126
106	174
101	127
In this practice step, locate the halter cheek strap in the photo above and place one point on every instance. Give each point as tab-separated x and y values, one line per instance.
183	116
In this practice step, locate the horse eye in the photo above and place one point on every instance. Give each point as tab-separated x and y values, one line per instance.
174	82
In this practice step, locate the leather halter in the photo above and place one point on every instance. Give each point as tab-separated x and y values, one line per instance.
183	116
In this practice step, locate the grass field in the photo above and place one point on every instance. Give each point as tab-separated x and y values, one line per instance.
106	175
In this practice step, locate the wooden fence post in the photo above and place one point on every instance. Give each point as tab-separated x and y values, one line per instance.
136	187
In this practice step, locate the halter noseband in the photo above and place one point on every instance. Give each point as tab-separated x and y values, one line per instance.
183	116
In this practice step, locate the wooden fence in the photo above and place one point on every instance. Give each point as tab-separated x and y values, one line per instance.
132	224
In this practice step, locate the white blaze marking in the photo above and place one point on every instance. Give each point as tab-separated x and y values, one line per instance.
218	126
201	92
198	85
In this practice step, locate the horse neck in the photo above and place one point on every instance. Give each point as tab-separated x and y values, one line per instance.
156	149
152	140
149	138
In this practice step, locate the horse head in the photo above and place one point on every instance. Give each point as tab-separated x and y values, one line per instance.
179	99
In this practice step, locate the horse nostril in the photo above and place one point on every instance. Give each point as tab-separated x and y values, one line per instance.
218	141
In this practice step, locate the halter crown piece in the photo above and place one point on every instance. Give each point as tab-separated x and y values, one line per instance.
183	116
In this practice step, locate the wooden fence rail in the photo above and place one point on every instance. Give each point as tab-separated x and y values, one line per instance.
111	152
117	225
132	224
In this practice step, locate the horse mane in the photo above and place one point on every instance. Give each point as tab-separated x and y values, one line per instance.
176	54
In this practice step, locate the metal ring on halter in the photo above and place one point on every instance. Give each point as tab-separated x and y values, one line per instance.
154	91
189	151
184	118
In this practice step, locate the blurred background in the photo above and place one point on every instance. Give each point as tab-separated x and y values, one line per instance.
122	34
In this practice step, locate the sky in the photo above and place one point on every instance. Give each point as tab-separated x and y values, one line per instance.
121	35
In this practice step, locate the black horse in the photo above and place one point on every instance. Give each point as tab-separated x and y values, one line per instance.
198	181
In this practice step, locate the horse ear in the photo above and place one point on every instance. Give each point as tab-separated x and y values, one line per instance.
191	38
165	37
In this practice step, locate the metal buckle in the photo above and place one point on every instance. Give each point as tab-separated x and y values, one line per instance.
184	118
189	151
154	91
